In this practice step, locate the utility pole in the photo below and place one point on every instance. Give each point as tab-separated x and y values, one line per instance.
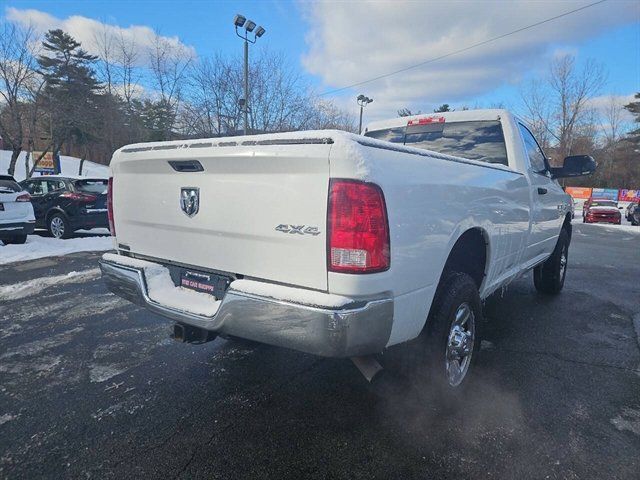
363	102
241	21
246	87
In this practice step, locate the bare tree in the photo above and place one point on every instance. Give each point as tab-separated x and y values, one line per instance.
128	76
557	107
168	64
18	86
612	120
106	51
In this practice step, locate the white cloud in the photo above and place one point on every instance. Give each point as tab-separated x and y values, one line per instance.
88	31
353	41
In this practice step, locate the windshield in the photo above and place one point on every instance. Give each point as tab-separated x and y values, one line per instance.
9	186
480	140
92	186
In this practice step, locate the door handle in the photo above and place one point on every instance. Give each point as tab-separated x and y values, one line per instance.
542	191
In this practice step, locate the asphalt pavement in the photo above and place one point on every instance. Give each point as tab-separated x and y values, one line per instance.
93	387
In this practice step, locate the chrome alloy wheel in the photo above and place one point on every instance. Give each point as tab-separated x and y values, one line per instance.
57	227
460	345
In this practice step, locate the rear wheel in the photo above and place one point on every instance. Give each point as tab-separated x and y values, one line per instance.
450	342
549	276
59	226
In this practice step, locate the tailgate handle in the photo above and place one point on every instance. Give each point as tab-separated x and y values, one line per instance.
186	165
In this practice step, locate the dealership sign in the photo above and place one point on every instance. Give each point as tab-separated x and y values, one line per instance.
608	193
629	195
579	192
48	164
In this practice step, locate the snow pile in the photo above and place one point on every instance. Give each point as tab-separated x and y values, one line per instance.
68	166
38	247
29	288
161	289
290	294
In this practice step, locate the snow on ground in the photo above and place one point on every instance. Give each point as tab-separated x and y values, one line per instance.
38	247
68	166
627	228
31	287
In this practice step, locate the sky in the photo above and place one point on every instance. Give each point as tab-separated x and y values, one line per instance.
333	44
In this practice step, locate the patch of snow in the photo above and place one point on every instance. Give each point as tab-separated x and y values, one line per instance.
102	373
33	287
629	420
290	294
37	347
38	247
619	228
7	417
162	290
68	166
96	231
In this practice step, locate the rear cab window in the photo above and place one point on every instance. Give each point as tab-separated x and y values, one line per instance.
474	140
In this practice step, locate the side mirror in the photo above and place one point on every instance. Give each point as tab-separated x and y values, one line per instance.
575	166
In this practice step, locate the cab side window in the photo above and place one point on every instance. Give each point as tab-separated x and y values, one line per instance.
534	152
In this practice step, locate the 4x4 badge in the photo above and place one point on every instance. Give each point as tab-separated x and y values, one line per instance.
298	229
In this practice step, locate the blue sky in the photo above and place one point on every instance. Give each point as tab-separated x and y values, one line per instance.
338	43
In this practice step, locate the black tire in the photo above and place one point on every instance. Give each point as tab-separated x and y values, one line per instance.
17	240
549	276
425	359
59	226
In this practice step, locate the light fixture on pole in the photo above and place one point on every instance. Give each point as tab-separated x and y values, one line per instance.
241	21
363	101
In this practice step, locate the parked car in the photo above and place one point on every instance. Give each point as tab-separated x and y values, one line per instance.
628	214
605	211
635	216
590	200
16	213
65	204
337	244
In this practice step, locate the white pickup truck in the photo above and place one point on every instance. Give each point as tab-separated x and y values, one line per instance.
337	244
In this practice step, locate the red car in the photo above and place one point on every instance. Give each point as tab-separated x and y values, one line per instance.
601	210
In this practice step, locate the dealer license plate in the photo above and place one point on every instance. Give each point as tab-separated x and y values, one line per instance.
210	283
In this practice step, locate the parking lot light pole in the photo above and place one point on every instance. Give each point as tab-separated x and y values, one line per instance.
249	26
363	101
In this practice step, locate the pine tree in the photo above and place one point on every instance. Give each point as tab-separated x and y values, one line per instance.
634	109
443	108
71	89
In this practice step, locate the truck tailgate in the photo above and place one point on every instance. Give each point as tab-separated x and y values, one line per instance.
262	210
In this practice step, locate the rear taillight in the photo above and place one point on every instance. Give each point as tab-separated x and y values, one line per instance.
79	197
358	229
112	227
25	197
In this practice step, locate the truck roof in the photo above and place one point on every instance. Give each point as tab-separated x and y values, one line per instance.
459	116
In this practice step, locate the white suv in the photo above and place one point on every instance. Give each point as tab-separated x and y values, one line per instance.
16	212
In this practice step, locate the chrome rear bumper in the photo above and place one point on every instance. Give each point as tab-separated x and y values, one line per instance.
357	329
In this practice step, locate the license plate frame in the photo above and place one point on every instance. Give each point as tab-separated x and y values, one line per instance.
204	282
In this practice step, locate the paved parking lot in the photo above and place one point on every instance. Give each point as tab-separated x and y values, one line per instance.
92	387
